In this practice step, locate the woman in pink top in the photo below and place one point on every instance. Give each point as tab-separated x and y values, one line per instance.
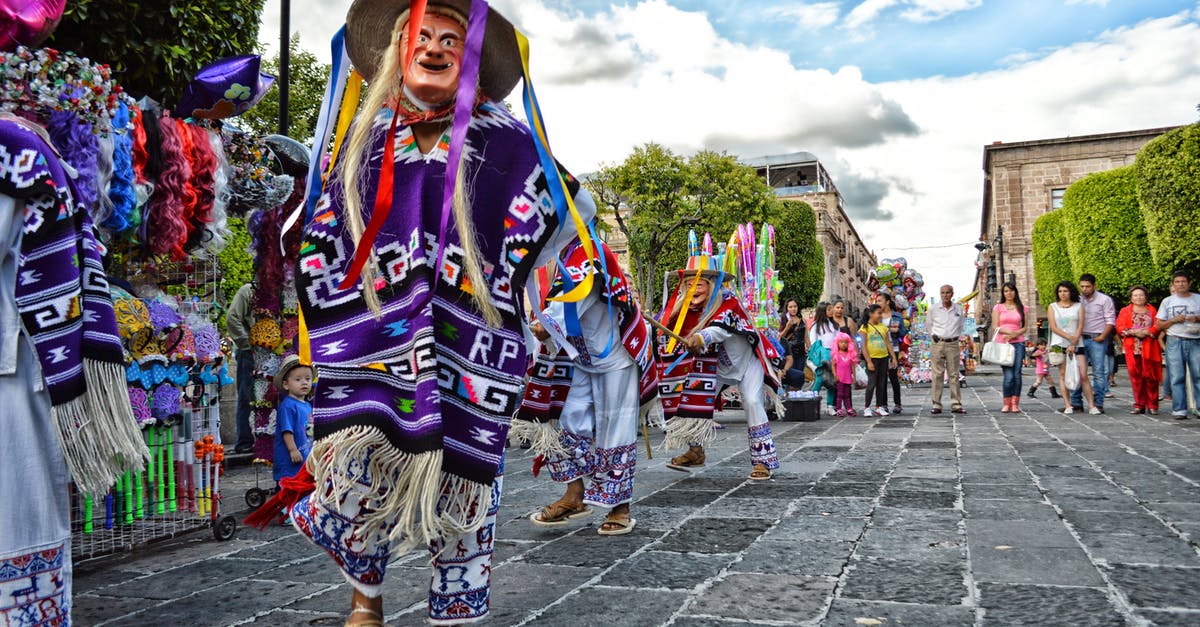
844	358
1009	318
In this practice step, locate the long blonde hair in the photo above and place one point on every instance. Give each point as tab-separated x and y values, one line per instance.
352	171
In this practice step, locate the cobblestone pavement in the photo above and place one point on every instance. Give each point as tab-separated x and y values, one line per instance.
982	519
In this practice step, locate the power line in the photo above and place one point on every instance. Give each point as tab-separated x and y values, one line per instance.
970	243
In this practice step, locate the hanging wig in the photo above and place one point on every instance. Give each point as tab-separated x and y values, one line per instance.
217	230
78	146
140	156
121	193
203	163
291	239
104	175
168	227
189	189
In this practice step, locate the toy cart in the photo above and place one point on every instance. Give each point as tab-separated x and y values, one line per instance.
178	492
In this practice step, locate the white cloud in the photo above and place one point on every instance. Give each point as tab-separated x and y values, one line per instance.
907	153
1099	3
867	11
933	10
809	16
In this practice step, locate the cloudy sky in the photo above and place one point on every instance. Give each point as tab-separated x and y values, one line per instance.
896	97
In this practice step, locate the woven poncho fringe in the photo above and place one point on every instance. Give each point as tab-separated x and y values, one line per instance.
63	300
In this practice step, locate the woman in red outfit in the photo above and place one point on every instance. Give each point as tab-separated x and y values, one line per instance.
1136	325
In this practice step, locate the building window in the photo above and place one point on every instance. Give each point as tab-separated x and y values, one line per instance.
1056	197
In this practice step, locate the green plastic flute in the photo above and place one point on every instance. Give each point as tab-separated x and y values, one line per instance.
87	514
160	458
139	496
170	446
128	498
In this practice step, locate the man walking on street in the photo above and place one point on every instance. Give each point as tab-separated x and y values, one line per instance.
945	328
1179	317
1099	321
237	324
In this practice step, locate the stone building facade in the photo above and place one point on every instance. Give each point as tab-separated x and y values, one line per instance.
800	176
1023	181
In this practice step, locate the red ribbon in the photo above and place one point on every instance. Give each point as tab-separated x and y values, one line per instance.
383	206
291	490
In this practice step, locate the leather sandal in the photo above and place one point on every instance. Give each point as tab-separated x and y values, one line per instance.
558	513
618	525
376	619
694	457
760	472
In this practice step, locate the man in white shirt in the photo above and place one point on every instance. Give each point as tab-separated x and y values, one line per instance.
945	328
1179	317
1099	322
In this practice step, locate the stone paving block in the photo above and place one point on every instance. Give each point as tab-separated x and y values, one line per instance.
602	607
319	569
1025	491
1161	587
1009	604
222	605
713	535
87	609
810	527
925	484
994	509
659	518
706	621
530	586
949	474
1028	534
840	506
788	599
586	549
172	584
707	484
916	519
852	613
774	555
1104	522
522	529
739	507
1171	619
99	577
914	545
666	569
1037	565
1101	503
679	498
773	489
294	618
1140	549
844	475
919	499
906	582
867	490
291	547
338	597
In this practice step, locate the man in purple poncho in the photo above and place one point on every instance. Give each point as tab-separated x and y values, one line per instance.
413	305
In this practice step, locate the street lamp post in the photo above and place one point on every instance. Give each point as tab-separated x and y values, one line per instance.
285	61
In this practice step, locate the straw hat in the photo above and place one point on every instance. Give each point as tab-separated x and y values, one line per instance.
290	363
369	31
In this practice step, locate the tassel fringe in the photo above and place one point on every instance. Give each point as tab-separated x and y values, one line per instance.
545	438
683	432
99	435
777	402
407	491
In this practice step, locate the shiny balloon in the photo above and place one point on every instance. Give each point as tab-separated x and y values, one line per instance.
28	22
225	88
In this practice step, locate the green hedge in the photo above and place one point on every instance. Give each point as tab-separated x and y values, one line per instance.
799	257
1168	179
1051	259
1104	232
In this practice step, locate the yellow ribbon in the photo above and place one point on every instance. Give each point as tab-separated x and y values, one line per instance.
683	309
580	291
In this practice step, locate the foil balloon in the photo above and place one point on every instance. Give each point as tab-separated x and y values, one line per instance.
292	155
28	22
225	88
886	274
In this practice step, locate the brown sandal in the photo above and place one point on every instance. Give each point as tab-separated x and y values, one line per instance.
760	472
558	513
619	525
694	457
376	619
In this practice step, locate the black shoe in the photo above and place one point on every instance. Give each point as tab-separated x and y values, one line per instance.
1077	408
1033	391
1054	392
1183	417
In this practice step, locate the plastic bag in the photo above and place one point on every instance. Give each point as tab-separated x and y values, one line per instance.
1071	378
860	377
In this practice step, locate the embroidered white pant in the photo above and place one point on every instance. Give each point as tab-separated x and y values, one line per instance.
459	590
599	425
35	528
762	445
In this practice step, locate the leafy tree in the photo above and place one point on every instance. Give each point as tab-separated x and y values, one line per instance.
799	257
1105	234
1051	256
155	48
656	196
1168	183
307	89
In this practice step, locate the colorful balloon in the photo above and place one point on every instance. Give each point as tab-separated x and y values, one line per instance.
28	22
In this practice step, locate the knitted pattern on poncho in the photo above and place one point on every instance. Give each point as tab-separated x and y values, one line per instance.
62	295
427	382
549	377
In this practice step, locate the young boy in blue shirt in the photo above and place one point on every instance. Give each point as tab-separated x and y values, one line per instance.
292	443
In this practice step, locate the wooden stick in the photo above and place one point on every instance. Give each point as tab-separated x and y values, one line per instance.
658	325
646	433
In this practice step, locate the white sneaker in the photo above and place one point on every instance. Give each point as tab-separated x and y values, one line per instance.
1095	411
881	411
869	412
1068	411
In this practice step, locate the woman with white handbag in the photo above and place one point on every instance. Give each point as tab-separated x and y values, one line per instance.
1066	329
1010	316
